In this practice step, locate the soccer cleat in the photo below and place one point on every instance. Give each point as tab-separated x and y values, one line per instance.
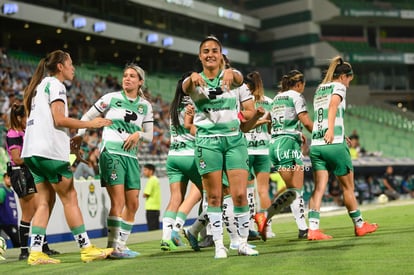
177	239
206	242
221	253
253	236
260	219
36	258
2	258
317	235
365	229
123	253
235	246
270	234
192	240
168	245
23	256
246	250
282	201
303	234
92	253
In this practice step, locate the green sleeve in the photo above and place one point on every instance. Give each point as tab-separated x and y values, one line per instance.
2	195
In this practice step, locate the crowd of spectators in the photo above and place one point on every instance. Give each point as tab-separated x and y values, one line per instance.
81	95
370	187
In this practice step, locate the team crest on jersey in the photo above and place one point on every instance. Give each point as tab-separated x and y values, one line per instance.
202	164
140	109
114	176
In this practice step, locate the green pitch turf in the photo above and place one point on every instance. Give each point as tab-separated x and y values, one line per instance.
387	251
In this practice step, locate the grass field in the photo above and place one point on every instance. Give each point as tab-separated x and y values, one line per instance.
390	250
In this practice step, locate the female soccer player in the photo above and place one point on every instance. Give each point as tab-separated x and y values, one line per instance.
288	114
329	151
46	152
132	118
220	145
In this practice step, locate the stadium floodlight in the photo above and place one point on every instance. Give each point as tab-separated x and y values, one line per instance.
152	38
9	8
167	41
99	27
79	22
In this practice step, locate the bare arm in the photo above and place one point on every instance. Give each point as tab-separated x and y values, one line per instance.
15	156
188	119
248	109
256	121
60	120
191	82
306	121
231	78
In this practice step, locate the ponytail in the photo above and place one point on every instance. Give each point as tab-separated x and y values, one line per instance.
289	80
336	68
255	84
30	90
47	64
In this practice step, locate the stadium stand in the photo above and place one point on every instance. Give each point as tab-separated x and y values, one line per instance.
298	41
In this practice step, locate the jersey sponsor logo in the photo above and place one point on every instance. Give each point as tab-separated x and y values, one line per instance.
130	116
213	110
319	134
214	92
256	143
178	145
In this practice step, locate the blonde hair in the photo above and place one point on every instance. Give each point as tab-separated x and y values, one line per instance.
141	74
336	68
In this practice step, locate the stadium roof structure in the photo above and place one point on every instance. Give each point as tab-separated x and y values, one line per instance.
158	34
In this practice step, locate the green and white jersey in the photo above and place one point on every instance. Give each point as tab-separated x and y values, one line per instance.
258	138
127	117
217	110
182	142
285	109
42	138
321	102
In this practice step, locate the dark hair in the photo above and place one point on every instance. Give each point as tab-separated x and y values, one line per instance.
226	61
150	166
289	80
178	99
255	84
47	64
16	112
211	38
